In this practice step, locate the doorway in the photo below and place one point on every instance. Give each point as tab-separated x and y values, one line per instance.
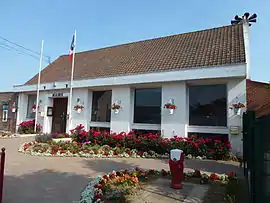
59	119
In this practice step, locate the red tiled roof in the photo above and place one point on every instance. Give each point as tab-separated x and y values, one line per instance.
211	47
258	97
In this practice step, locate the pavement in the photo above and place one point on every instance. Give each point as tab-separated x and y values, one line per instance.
159	191
33	179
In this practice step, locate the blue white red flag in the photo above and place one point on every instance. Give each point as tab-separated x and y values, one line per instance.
72	46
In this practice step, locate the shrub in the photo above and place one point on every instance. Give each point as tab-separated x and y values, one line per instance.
193	145
27	127
43	138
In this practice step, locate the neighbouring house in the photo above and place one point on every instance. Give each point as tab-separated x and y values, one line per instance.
201	73
8	113
258	97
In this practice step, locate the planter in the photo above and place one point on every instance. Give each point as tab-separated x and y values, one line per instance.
13	110
34	110
68	139
171	111
237	111
79	110
116	111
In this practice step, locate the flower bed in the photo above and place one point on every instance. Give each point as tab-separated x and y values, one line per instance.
104	144
27	127
211	148
7	134
115	183
73	149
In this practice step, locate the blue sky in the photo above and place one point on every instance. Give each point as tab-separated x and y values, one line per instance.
101	23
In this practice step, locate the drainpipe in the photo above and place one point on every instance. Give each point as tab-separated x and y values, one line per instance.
247	46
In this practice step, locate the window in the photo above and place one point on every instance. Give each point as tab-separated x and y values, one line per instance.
216	136
5	113
31	102
142	132
208	105
101	129
147	106
101	106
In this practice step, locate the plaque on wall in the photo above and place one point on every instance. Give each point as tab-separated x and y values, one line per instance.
57	94
49	111
234	130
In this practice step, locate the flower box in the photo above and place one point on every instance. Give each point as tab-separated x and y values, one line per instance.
237	108
78	108
67	139
171	107
116	108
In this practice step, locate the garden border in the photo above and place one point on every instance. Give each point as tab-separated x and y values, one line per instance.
93	190
90	155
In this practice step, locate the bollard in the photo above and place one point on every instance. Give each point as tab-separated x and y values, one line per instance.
176	164
2	167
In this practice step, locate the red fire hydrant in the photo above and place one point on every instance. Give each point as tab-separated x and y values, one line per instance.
176	164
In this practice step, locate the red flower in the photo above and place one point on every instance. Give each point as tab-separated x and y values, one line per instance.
102	182
197	173
98	196
195	145
169	106
112	176
213	176
118	173
79	127
140	153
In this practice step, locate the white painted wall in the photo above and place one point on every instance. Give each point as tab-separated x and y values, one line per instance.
22	109
174	124
236	89
121	122
84	116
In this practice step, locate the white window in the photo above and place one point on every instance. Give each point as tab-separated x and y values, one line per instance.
5	113
31	102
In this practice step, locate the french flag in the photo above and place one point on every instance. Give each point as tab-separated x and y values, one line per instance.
72	46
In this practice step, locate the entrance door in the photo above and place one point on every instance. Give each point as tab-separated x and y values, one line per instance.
59	120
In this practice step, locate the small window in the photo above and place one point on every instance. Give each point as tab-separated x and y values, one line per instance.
5	113
147	106
101	106
142	132
216	136
101	129
31	102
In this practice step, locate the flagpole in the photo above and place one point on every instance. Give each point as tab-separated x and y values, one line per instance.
38	86
71	82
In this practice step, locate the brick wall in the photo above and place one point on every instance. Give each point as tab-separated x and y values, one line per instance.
8	98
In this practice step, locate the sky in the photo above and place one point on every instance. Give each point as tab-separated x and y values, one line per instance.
102	23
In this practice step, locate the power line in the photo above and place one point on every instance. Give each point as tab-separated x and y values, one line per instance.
9	48
27	49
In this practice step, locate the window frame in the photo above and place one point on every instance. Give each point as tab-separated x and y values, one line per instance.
205	128
144	126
